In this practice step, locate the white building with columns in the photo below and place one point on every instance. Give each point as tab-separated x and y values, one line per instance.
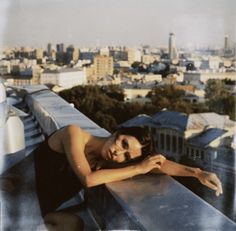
196	136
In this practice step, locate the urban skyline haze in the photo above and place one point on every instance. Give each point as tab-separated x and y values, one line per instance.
112	22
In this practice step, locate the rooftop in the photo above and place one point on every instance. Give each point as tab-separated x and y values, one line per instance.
182	121
204	138
155	205
62	70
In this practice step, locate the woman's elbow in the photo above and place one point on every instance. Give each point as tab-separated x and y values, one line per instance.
88	182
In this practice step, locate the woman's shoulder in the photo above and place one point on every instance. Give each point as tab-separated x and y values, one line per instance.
67	135
73	131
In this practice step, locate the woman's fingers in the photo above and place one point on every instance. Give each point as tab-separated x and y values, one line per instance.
158	158
214	183
215	180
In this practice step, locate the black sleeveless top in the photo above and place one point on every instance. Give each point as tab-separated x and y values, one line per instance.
55	180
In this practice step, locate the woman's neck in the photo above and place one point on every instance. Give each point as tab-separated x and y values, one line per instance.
94	145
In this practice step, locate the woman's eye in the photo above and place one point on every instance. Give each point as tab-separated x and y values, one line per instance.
125	144
127	156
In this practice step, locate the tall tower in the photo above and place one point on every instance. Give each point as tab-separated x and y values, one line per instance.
173	54
49	49
226	45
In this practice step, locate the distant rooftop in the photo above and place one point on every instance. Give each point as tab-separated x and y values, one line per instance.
182	121
62	70
206	137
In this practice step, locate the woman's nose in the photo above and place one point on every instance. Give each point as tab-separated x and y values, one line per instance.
118	152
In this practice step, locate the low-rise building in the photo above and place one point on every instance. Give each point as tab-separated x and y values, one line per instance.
193	77
5	67
195	136
65	78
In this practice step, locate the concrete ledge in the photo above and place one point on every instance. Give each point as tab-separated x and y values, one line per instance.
158	202
52	112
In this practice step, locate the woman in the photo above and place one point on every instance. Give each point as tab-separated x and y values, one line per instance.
72	158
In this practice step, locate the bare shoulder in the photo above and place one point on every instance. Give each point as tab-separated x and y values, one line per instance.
70	136
72	128
64	136
73	131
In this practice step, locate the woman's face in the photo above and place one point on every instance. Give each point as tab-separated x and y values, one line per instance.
121	148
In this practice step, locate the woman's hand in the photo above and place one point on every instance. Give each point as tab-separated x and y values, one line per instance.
150	163
210	180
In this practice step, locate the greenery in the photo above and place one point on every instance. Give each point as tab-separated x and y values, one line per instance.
219	99
106	106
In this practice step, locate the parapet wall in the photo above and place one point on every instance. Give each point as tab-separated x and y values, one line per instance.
53	112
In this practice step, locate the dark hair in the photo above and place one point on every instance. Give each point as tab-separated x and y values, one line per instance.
143	135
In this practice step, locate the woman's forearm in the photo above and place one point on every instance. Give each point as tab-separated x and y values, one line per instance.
109	175
174	169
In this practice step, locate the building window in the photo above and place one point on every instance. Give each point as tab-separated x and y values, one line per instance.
168	142
192	153
187	151
174	144
197	154
162	141
180	144
153	130
202	154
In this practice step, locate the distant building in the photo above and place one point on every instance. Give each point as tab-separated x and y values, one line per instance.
147	79
60	47
134	95
5	67
49	49
109	80
119	54
103	66
201	77
39	53
65	78
134	55
173	53
72	54
22	80
105	51
196	136
226	43
90	74
148	59
36	74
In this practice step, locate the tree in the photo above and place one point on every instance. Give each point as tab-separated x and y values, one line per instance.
214	88
219	99
190	67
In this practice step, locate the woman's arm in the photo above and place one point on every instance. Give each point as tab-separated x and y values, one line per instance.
110	175
74	145
207	178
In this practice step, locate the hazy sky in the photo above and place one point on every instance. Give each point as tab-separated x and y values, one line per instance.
116	22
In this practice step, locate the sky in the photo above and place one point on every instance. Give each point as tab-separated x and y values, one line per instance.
195	23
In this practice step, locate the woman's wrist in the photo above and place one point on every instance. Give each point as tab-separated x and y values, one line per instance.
198	172
138	169
194	172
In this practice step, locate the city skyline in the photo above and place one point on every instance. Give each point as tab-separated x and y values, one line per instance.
108	22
